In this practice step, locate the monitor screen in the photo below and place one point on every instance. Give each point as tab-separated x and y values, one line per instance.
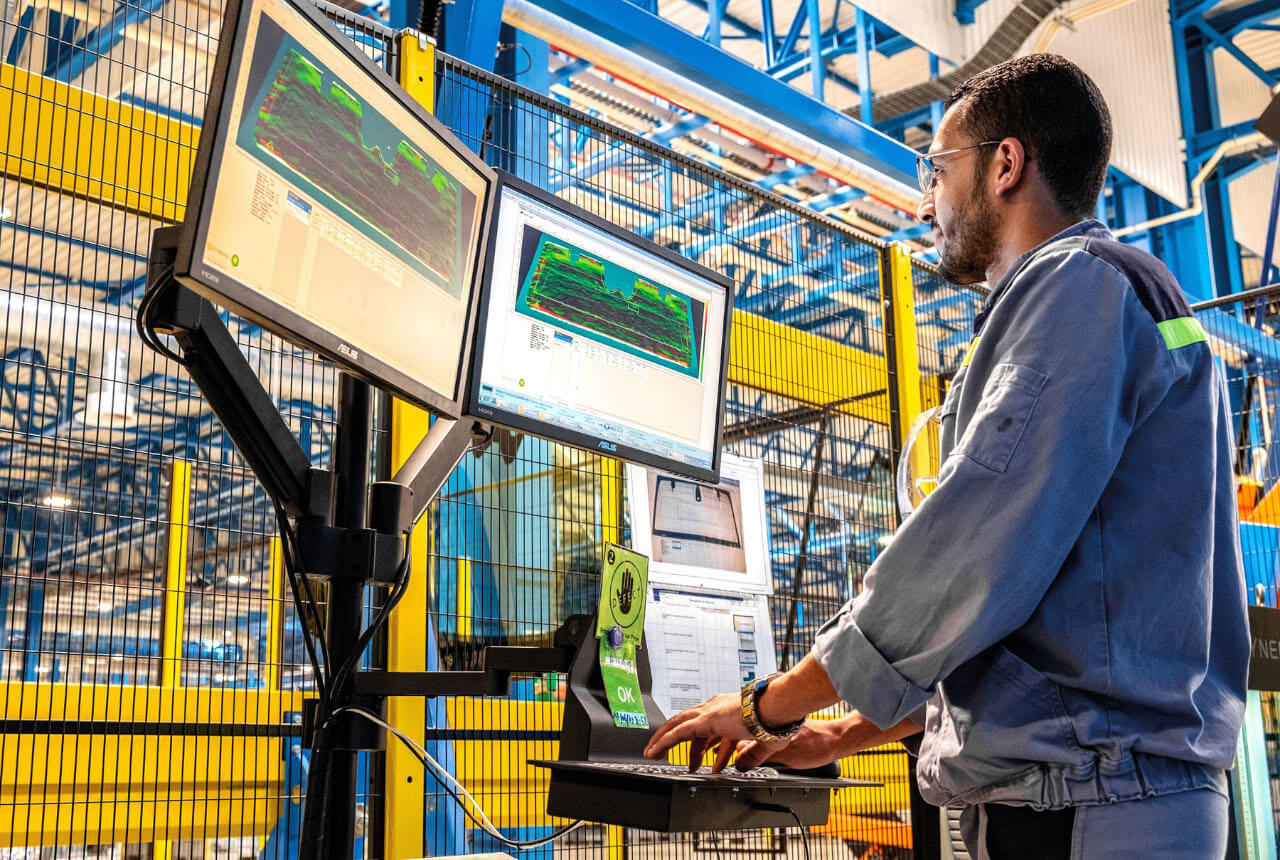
594	337
330	208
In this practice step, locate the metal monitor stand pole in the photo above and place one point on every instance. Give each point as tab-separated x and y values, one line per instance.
329	823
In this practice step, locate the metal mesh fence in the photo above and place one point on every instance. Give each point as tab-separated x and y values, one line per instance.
150	664
1242	332
149	654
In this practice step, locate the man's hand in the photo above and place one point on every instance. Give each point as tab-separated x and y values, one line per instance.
820	742
716	721
790	696
817	743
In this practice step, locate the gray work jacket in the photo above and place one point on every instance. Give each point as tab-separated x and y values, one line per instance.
1069	601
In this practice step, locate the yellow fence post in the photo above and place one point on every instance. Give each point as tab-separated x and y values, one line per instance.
175	587
897	290
407	652
407	627
274	609
611	501
175	582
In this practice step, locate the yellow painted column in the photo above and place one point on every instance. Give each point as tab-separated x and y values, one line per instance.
274	612
407	626
407	652
175	585
175	588
897	289
464	599
611	501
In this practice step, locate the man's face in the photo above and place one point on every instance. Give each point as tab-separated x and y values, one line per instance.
959	208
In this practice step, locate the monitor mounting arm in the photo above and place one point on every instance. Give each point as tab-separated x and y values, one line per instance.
233	390
349	548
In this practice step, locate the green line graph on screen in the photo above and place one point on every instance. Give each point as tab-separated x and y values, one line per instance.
317	131
611	304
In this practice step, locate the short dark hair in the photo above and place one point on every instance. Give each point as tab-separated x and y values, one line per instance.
1051	106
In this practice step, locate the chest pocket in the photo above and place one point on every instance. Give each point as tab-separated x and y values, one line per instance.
1008	399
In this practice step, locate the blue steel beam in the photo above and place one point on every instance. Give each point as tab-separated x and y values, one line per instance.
694	208
793	31
831	47
471	30
767	34
715	13
834	199
783	177
568	70
816	67
671	131
98	43
791	56
1245	17
965	9
684	54
24	29
1240	56
864	70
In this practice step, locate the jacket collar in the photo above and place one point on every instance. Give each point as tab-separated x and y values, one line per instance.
1091	227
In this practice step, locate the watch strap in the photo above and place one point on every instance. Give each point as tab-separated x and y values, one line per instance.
751	692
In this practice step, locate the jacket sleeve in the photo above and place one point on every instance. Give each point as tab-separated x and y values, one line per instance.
1071	363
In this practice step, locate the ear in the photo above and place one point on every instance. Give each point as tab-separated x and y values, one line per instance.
1008	167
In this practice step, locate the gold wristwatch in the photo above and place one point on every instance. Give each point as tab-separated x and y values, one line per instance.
765	734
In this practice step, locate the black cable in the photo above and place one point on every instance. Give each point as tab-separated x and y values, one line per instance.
312	604
804	831
295	571
398	589
778	807
528	64
144	323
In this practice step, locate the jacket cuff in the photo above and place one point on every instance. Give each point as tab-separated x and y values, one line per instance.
862	676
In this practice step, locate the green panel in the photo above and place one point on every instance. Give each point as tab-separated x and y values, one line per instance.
1181	332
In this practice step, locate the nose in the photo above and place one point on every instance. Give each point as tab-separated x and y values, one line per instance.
925	211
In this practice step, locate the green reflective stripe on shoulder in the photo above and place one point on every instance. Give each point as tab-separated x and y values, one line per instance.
968	353
1181	332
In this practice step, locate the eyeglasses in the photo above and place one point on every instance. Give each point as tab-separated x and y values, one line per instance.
927	172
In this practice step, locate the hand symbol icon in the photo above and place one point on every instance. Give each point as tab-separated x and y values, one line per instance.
625	587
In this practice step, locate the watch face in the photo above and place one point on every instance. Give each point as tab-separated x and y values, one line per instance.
627	598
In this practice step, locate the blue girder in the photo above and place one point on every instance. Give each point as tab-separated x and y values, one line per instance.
688	56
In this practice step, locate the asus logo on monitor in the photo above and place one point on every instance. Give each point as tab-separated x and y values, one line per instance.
608	446
348	351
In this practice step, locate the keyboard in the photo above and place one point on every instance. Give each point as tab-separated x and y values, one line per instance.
683	770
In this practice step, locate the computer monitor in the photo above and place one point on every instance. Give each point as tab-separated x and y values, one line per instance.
330	208
592	336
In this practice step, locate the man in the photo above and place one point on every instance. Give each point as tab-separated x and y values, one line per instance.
1064	616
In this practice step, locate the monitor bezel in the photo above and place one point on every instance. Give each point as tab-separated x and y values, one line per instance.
258	308
554	432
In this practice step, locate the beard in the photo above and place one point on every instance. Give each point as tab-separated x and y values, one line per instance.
969	245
